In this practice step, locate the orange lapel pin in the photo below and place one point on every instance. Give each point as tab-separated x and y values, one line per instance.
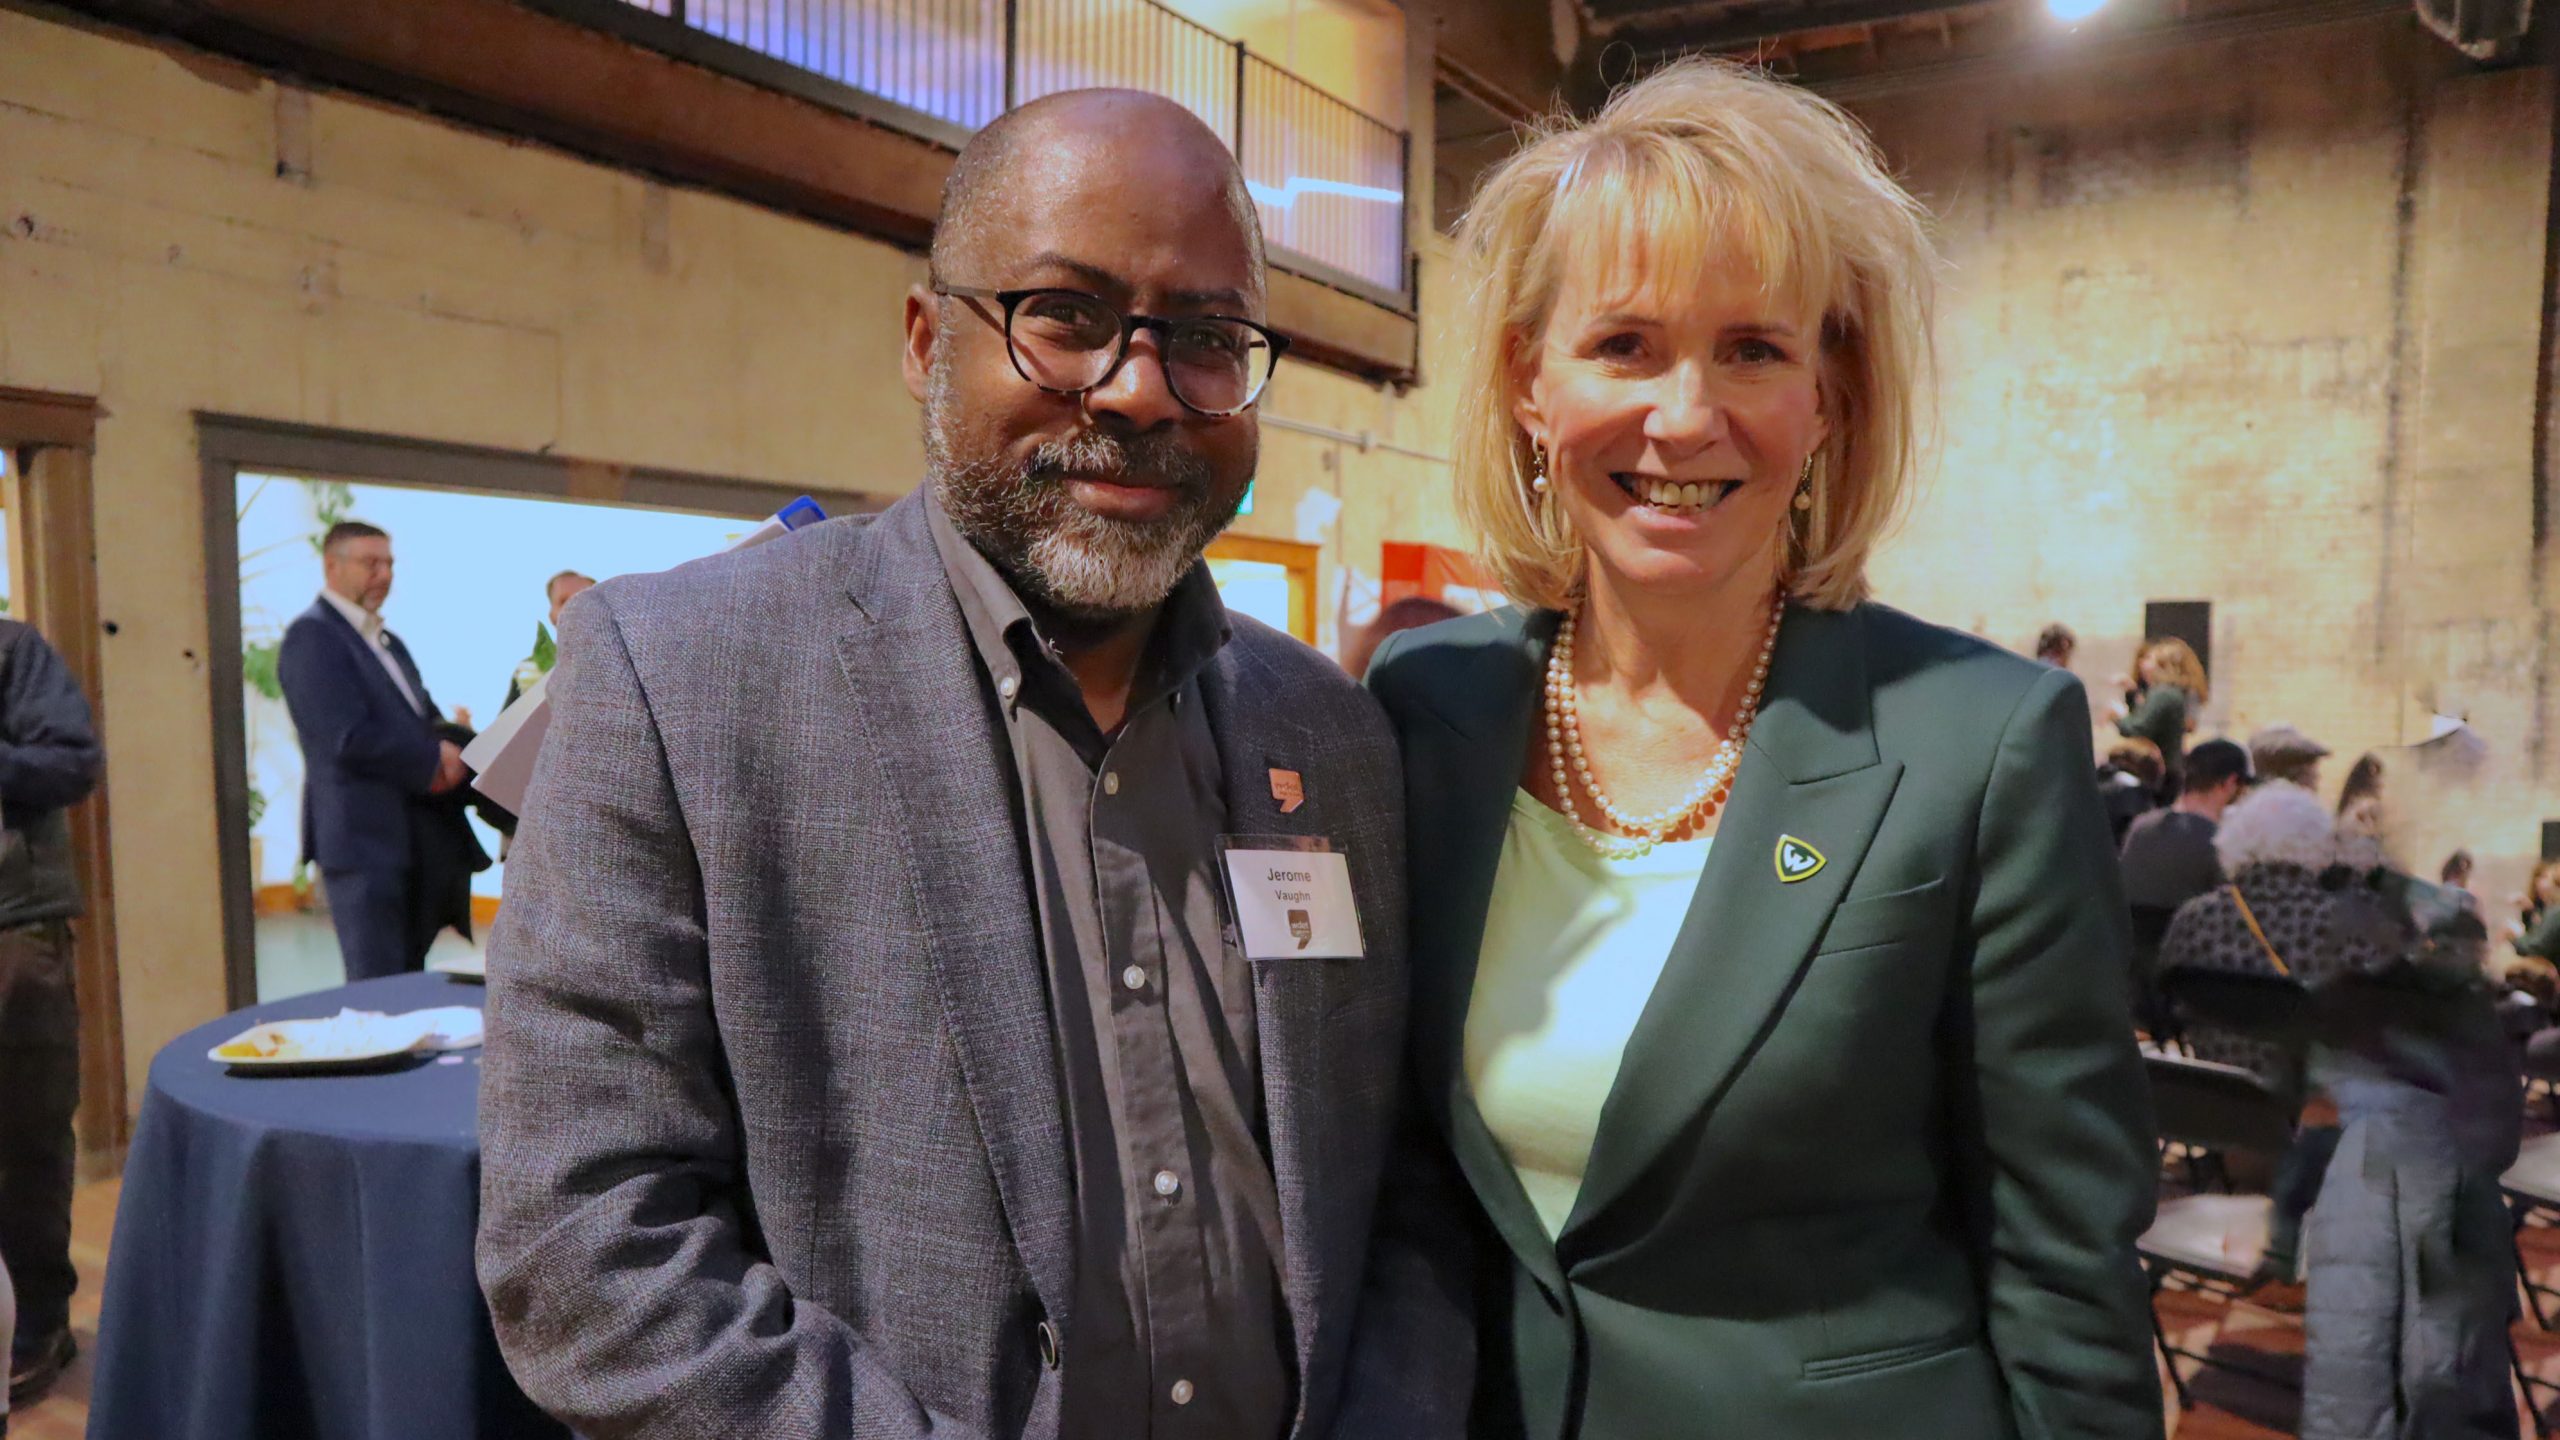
1289	790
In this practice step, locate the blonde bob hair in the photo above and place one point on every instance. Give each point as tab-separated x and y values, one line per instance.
1702	159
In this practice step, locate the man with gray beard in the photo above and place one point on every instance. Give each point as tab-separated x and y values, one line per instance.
954	985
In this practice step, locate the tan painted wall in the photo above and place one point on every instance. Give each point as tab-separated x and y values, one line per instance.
180	234
406	278
2193	350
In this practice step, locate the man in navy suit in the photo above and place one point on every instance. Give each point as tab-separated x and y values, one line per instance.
373	761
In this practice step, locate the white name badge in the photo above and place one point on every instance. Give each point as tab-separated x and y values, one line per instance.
1294	904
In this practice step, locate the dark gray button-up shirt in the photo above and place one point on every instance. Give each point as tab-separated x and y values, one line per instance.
1179	1329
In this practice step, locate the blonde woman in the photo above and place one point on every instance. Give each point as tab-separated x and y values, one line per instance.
1769	957
2169	691
2537	930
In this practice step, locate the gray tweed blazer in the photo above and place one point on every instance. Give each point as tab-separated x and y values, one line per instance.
774	1142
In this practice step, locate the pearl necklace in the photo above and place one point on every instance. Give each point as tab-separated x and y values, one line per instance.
1642	832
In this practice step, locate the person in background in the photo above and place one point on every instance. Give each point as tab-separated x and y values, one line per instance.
2167	694
2455	876
2272	845
49	761
2128	781
1410	613
2536	931
2056	645
560	589
2168	858
2412	1286
2360	802
2283	753
375	766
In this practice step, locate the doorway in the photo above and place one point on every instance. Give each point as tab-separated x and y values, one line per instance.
477	533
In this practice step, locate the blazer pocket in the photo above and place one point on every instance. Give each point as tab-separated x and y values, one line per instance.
1879	919
1891	1357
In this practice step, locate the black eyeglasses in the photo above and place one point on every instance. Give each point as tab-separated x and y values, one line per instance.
1067	342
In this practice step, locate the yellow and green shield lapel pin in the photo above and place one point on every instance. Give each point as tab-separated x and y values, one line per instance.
1797	860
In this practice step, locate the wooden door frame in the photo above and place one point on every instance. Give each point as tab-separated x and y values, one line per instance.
1297	557
228	444
53	556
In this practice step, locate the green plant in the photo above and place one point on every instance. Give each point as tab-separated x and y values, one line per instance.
330	502
259	661
546	651
257	806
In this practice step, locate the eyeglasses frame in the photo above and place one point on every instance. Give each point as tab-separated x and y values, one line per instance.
1130	325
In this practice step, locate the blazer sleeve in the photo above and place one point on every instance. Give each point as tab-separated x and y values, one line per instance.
49	755
326	699
2160	718
2544	938
2065	1159
1412	1360
614	1244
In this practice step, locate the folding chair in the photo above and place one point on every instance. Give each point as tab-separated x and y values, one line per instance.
2532	1185
2212	1243
2262	1007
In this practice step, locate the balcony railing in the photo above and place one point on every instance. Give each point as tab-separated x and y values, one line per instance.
1329	180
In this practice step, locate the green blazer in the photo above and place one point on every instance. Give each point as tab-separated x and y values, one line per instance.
1881	1145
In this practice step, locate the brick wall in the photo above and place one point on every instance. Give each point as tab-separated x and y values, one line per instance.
2259	323
181	234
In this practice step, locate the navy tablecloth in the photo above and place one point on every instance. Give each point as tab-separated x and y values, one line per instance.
292	1255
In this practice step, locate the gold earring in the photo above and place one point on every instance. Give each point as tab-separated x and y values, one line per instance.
1804	486
1537	468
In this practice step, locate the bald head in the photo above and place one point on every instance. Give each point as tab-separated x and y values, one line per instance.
1040	146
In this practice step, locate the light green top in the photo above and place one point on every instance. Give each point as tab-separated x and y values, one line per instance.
1573	944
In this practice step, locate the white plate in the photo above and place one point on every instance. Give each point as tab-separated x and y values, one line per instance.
345	1041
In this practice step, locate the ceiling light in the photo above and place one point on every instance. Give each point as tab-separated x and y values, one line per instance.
2072	12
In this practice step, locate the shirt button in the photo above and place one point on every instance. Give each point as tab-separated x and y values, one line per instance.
1182	1392
1111	782
1006	686
1135	977
1168	1184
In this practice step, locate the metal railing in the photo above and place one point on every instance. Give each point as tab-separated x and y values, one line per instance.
1329	180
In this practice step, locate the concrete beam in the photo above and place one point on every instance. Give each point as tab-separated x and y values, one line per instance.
523	71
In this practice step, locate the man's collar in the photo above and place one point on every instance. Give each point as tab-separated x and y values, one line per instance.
367	623
1191	625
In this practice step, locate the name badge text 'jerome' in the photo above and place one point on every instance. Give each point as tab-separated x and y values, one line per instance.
1294	904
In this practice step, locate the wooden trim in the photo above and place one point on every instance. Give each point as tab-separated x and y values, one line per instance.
39	417
484	913
1295	556
53	540
220	498
1343	332
244	443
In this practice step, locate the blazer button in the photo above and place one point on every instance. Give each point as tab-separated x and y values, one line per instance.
1048	1345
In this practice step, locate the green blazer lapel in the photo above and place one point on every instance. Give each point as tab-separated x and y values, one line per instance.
1461	784
1812	776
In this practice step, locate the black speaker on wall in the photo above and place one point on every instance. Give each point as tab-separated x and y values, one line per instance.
2188	620
2551	839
